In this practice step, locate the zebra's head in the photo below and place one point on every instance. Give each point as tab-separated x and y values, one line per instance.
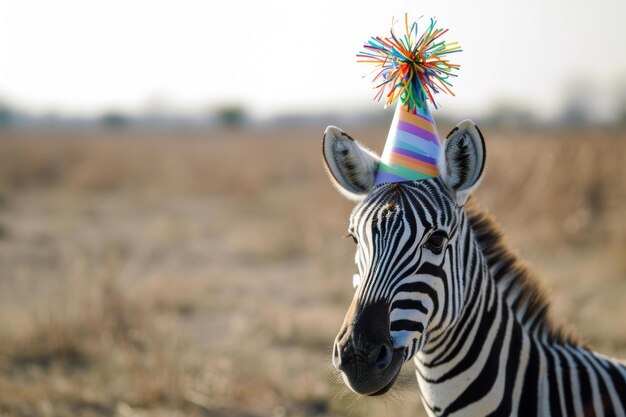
408	288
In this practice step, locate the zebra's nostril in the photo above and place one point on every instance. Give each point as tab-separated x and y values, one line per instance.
383	357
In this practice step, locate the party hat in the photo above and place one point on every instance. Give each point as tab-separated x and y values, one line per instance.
412	69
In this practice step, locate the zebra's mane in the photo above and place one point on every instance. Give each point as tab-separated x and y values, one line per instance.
519	285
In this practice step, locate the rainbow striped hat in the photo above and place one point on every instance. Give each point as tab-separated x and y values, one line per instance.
412	69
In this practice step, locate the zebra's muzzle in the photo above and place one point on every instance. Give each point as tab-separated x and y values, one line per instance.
363	350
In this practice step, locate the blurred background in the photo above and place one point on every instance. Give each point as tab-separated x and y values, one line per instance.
170	244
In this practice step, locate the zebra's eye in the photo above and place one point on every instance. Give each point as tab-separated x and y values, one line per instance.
436	241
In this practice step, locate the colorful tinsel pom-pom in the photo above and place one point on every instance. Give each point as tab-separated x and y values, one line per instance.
411	67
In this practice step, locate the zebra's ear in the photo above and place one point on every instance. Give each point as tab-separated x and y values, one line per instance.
462	162
351	166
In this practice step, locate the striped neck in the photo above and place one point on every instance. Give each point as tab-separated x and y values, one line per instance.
411	149
502	357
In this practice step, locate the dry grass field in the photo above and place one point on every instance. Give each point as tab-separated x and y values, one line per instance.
205	274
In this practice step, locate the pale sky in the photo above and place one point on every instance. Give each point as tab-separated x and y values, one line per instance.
83	57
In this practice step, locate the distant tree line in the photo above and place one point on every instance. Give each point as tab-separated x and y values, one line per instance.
575	112
5	115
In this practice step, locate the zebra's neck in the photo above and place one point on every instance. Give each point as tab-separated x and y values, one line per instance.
518	285
502	356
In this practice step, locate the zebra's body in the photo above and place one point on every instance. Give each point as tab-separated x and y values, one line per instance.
436	283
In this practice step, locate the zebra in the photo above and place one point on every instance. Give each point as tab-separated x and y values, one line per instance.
436	283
